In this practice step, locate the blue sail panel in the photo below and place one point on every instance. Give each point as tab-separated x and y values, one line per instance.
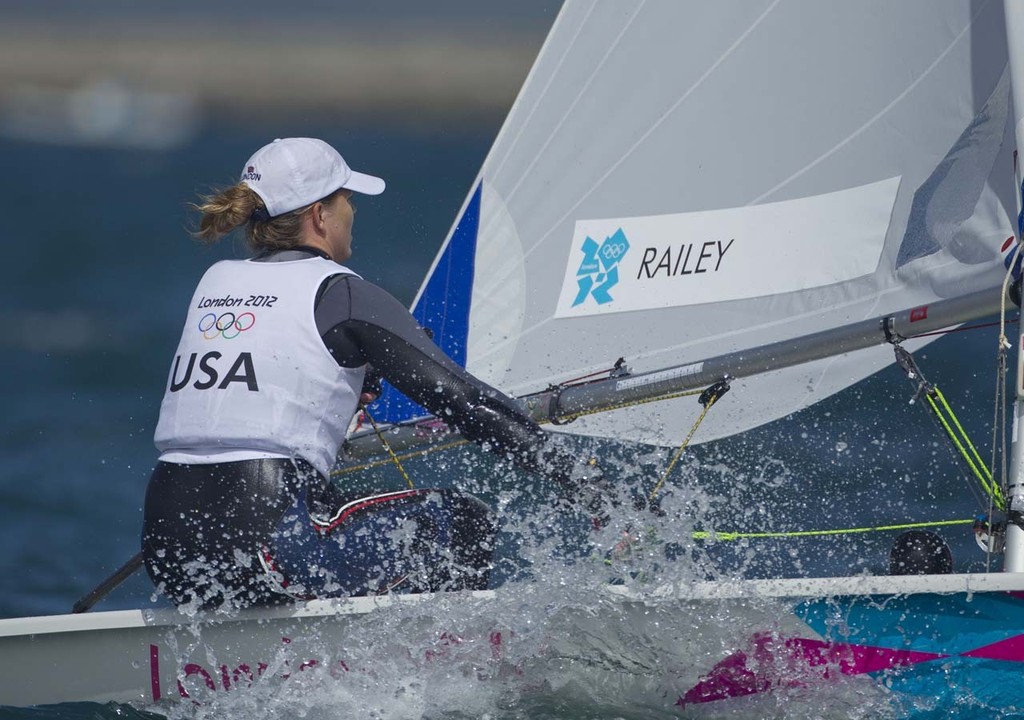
443	308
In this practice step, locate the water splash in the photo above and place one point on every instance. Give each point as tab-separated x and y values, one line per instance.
574	631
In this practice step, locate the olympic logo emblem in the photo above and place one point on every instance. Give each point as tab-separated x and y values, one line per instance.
226	325
613	251
599	270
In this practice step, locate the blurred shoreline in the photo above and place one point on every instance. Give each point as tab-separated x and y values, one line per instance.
403	76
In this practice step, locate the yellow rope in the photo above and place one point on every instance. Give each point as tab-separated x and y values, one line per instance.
387	446
715	535
406	456
679	451
973	460
958	437
952	416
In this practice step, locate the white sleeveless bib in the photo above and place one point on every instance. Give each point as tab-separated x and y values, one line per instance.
251	376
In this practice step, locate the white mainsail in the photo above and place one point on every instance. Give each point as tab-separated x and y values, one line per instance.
681	180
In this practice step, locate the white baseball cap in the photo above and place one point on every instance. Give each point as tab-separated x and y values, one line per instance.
291	173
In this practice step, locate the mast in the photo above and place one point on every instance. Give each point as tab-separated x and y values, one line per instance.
1013	558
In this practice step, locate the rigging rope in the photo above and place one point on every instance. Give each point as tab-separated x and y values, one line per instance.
708	398
717	535
387	446
405	456
947	420
962	328
963	444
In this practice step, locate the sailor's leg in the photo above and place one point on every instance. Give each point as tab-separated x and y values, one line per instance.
203	525
410	541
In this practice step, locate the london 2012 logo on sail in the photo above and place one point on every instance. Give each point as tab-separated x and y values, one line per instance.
599	270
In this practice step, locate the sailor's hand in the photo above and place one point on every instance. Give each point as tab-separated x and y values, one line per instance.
624	547
372	387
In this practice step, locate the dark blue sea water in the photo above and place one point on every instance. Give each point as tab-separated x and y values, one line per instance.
98	267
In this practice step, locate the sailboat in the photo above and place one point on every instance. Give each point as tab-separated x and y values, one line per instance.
766	196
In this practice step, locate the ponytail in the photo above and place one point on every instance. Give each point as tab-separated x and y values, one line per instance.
238	206
225	211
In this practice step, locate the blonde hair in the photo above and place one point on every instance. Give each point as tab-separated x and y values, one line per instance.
239	205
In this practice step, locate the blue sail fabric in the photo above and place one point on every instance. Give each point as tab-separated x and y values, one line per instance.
443	308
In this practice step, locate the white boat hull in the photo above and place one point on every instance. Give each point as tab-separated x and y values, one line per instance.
671	649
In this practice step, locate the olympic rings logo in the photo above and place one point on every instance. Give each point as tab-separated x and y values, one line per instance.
613	251
227	325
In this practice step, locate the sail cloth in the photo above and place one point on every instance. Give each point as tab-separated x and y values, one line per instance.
679	180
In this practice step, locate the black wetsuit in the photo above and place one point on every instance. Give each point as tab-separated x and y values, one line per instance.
213	532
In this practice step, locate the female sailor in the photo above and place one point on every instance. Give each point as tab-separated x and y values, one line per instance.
268	373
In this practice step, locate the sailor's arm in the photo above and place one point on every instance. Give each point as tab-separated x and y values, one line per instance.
369	325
